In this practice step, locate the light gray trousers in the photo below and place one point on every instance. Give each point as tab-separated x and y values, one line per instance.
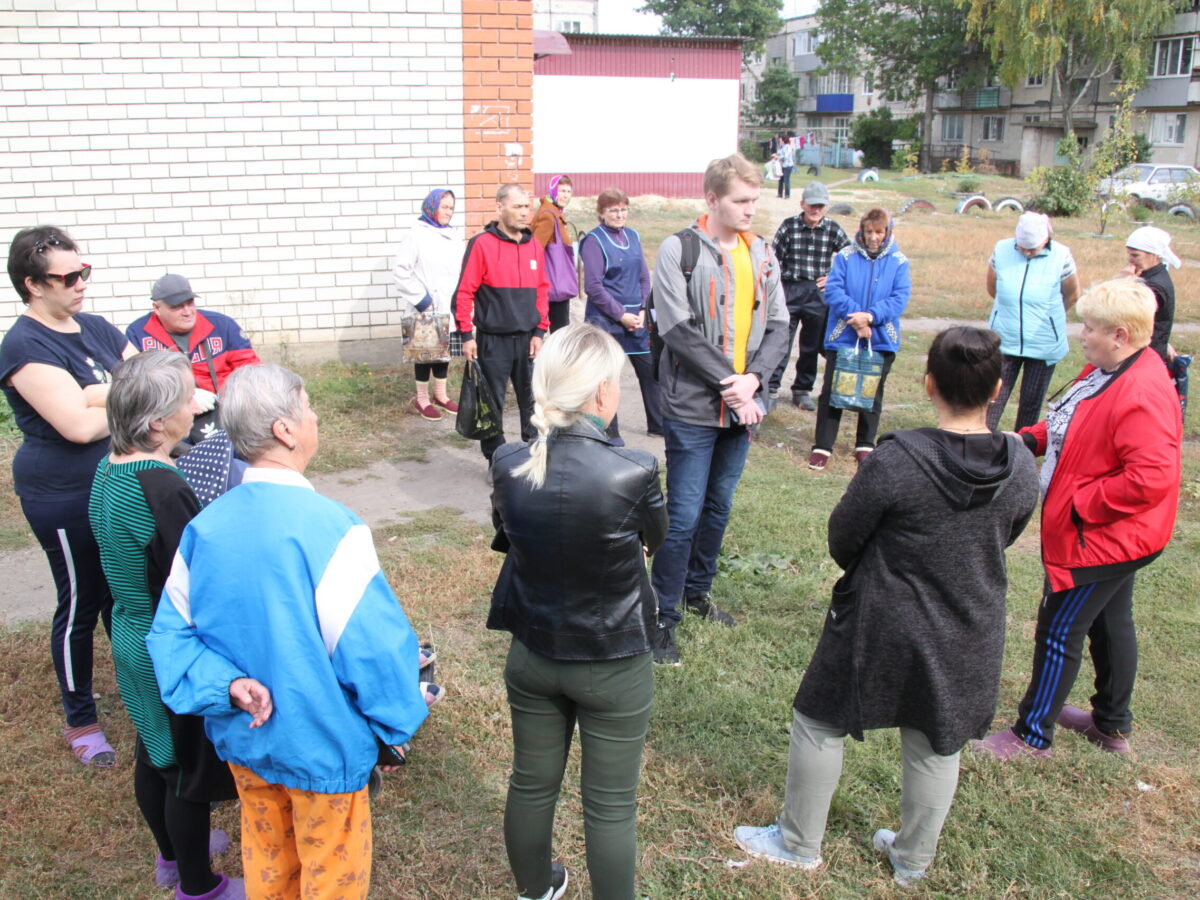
815	765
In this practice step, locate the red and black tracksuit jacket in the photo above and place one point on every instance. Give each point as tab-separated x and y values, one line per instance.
503	288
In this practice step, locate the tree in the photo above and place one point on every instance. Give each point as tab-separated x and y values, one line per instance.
874	133
778	91
903	47
752	20
1076	42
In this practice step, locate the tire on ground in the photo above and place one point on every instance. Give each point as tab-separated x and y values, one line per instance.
1183	209
868	175
975	201
923	206
840	209
1008	204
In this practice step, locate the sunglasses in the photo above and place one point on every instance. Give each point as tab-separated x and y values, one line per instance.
71	278
51	241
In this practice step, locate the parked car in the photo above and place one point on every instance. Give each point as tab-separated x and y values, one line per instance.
1146	181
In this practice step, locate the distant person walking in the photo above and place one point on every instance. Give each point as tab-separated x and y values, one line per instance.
550	226
787	163
1034	282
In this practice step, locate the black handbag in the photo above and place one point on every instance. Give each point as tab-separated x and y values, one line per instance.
478	414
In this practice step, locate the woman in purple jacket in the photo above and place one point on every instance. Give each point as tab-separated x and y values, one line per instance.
617	282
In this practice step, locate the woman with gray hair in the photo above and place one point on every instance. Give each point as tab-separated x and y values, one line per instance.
139	507
278	626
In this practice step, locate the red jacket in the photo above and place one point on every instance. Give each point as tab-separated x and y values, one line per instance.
503	287
215	337
1115	488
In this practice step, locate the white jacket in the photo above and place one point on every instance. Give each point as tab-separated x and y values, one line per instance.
429	262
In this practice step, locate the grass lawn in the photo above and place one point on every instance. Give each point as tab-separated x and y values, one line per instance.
1083	824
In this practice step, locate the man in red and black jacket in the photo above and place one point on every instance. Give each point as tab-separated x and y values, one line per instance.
502	305
214	344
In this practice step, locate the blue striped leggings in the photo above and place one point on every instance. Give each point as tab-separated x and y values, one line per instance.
1103	613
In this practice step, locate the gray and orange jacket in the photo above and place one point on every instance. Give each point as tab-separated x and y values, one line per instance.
503	287
695	320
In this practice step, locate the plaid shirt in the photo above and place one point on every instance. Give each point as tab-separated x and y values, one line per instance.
805	253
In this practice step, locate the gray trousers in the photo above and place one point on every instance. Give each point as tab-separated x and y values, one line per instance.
815	765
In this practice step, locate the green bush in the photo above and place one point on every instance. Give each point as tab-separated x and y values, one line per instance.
873	135
1143	149
905	158
969	185
751	148
1062	190
1138	212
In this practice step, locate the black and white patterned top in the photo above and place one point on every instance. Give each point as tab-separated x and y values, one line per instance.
211	468
806	252
1058	418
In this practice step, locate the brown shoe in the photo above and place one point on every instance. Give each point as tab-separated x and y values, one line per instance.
426	412
861	454
447	405
819	459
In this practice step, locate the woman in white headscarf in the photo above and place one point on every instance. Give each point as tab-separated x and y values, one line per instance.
1034	282
1150	253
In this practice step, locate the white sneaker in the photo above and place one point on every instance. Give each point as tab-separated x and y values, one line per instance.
767	843
902	875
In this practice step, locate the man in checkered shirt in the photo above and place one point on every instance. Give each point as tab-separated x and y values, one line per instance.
805	246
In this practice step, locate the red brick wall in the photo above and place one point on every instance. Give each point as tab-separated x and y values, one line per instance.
497	102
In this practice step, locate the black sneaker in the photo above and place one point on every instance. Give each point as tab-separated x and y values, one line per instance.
804	400
703	606
665	652
558	883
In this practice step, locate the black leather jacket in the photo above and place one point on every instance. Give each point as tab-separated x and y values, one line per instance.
574	584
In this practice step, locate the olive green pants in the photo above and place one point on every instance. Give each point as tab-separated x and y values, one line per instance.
610	700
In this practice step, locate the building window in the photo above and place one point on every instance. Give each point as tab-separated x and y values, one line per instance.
952	127
807	42
1172	57
993	128
841	130
1036	81
835	83
777	60
952	81
1035	117
1167	128
569	26
868	85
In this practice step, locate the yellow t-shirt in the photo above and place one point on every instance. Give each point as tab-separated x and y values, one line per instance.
743	303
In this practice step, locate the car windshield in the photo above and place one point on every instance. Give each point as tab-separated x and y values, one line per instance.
1134	173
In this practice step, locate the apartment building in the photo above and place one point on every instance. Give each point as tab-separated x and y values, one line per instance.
567	16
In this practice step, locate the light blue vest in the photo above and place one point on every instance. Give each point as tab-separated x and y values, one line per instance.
1028	313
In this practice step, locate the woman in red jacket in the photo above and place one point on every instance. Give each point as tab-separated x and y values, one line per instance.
1110	488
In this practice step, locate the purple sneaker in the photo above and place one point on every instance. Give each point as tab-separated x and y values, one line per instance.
1006	744
166	872
1075	719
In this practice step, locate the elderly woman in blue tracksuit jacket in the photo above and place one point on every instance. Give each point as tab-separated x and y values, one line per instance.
867	292
1034	282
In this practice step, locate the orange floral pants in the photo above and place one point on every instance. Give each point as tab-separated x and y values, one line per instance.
302	845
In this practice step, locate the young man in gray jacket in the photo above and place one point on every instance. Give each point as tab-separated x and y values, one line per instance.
724	331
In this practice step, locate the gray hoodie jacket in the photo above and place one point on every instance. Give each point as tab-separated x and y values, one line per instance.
695	320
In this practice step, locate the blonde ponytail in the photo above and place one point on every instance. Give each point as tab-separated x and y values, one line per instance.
566	374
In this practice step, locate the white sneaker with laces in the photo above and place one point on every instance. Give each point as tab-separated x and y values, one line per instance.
767	843
902	875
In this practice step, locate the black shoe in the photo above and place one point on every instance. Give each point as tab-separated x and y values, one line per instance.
703	606
665	652
804	400
558	883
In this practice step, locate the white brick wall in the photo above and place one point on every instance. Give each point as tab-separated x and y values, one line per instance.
272	151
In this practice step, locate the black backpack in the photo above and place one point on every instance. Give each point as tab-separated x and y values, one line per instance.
689	256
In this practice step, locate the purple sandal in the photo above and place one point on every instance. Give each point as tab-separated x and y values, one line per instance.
90	746
166	871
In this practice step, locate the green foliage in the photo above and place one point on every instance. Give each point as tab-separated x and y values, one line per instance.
750	148
753	20
905	159
1137	212
1076	42
777	94
1063	190
1143	149
904	46
968	185
873	134
963	166
1115	152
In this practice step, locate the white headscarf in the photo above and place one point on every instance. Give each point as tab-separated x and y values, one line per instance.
1149	239
1033	230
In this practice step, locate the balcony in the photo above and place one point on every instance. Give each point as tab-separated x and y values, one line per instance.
973	98
829	103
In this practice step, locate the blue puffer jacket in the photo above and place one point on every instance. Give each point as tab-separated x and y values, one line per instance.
857	283
1028	313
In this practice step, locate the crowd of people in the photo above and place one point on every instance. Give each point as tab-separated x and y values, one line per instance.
261	653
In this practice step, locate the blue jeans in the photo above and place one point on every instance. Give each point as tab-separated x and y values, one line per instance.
703	468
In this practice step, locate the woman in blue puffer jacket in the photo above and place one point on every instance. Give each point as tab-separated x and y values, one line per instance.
1034	283
867	292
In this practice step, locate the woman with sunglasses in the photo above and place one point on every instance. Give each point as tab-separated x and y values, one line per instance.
55	362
